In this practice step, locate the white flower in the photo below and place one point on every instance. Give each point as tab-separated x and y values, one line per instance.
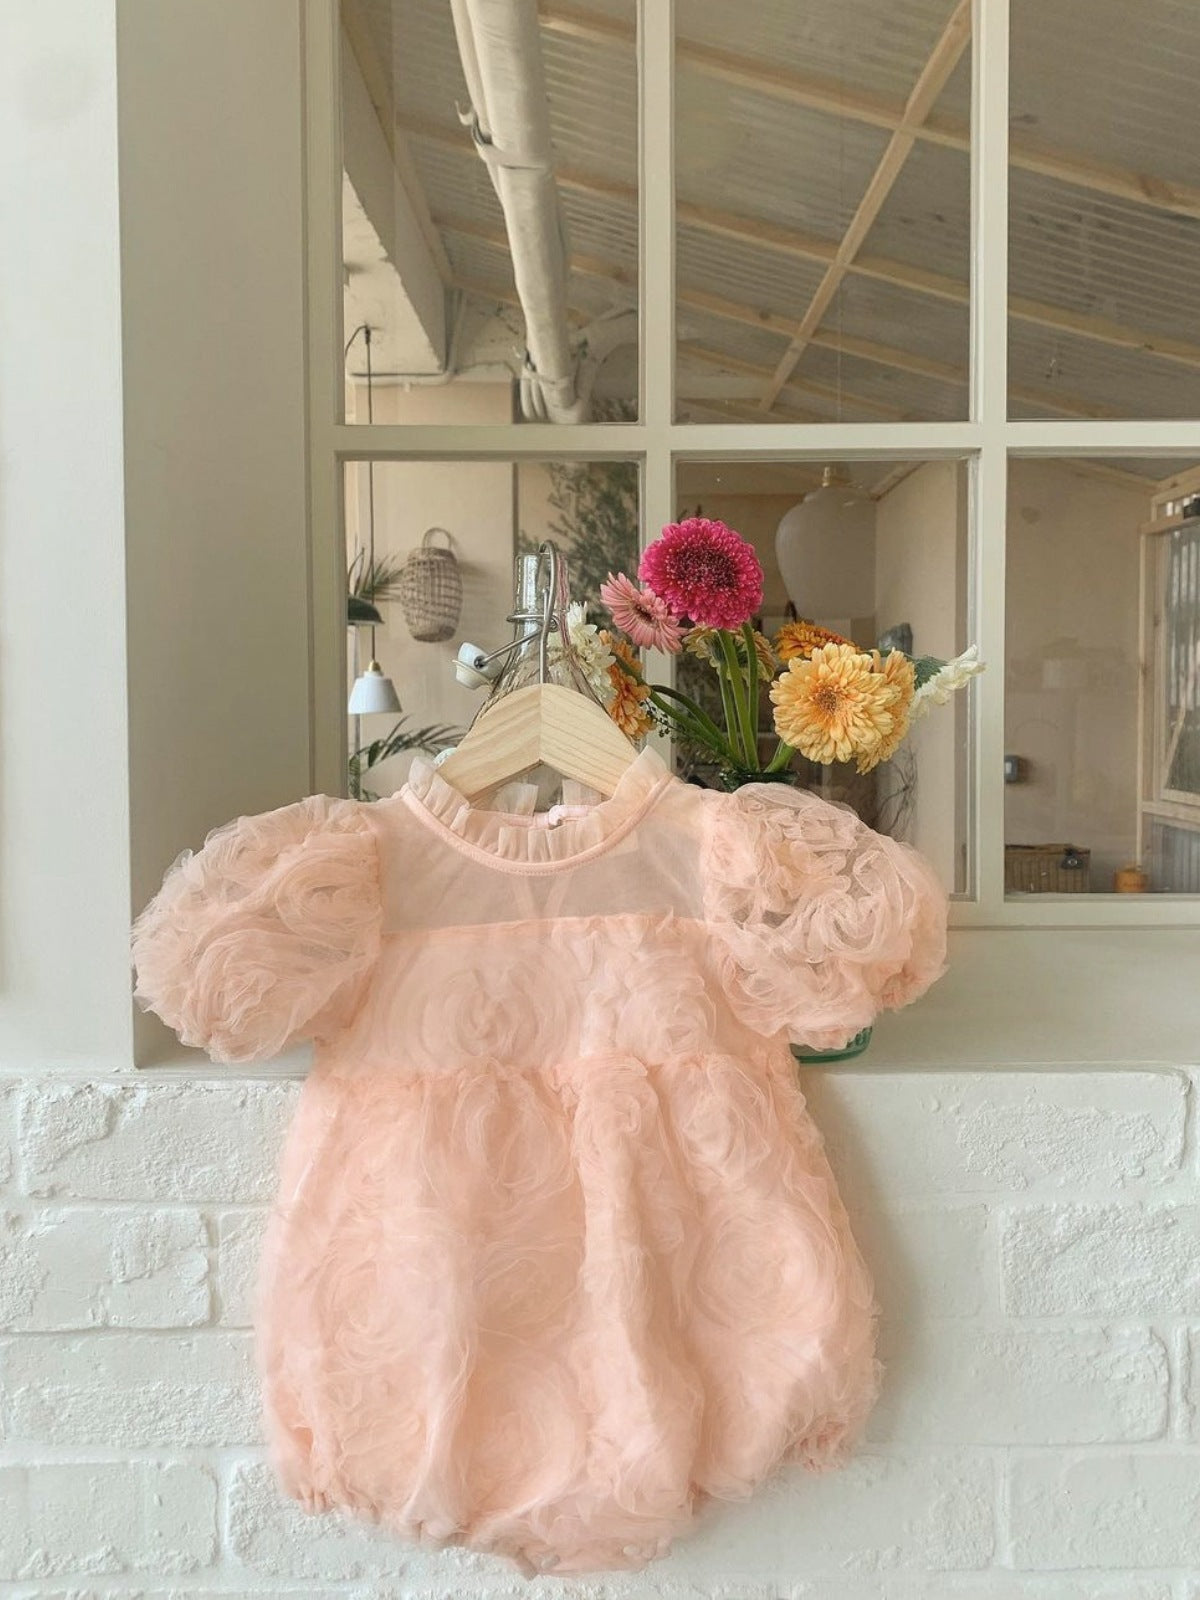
591	652
951	675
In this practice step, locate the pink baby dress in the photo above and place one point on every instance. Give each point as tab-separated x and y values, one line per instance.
557	1254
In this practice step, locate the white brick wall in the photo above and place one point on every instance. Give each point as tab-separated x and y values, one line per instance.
1036	1242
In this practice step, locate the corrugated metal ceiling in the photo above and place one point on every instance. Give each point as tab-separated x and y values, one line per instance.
750	151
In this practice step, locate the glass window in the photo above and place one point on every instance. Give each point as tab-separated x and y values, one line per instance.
489	205
1104	211
822	210
1102	761
812	165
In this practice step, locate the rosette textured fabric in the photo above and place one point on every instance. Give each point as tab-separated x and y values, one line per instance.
557	1257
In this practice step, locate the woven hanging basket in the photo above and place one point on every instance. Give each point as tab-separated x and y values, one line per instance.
431	589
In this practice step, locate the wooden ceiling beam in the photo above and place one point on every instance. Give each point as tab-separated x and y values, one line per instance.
833	99
942	60
862	349
804	388
589	266
886	355
760	77
1102	330
799	246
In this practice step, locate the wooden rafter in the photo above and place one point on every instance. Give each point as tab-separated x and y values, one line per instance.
1104	331
884	355
795	245
862	349
499	295
794	88
943	59
379	90
808	388
589	266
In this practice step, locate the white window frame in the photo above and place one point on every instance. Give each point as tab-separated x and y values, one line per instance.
987	441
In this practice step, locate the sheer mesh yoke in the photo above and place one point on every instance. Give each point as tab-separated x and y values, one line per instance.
557	1255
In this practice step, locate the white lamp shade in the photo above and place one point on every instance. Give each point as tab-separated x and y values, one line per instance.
825	550
372	693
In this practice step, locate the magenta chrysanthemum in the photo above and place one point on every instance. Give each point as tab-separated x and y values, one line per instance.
641	614
704	571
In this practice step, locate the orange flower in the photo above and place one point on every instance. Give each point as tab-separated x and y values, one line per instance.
834	706
802	638
627	657
897	669
628	705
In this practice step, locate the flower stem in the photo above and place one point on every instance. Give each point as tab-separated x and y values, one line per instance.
695	712
729	706
752	685
741	727
702	730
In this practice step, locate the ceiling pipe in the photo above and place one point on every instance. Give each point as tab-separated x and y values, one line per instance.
500	45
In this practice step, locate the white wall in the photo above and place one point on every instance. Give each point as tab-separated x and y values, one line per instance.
64	825
215	466
920	533
1034	1233
1072	669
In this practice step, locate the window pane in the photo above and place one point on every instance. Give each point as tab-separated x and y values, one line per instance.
822	256
485	514
518	272
1105	210
1102	728
908	520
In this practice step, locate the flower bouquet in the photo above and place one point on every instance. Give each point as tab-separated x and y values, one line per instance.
699	587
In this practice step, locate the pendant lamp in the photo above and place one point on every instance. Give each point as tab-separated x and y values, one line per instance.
825	551
373	690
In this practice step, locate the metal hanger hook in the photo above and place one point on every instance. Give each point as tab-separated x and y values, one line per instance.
547	552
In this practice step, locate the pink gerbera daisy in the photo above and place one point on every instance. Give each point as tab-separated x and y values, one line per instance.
704	571
641	614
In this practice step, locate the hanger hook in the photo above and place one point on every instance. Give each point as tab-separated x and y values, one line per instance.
547	552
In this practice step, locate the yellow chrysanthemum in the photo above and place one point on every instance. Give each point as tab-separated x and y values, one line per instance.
802	638
834	706
898	670
628	705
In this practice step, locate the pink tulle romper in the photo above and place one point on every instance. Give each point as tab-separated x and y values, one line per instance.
557	1253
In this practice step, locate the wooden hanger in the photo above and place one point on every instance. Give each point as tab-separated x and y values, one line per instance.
542	724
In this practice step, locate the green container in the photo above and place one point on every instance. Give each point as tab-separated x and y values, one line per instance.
852	1047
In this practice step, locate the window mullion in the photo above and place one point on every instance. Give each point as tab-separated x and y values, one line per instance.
656	189
326	398
989	410
656	234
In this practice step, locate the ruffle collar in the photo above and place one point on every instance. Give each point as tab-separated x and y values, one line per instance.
506	830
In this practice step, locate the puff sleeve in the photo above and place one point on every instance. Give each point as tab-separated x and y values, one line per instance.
819	922
268	934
